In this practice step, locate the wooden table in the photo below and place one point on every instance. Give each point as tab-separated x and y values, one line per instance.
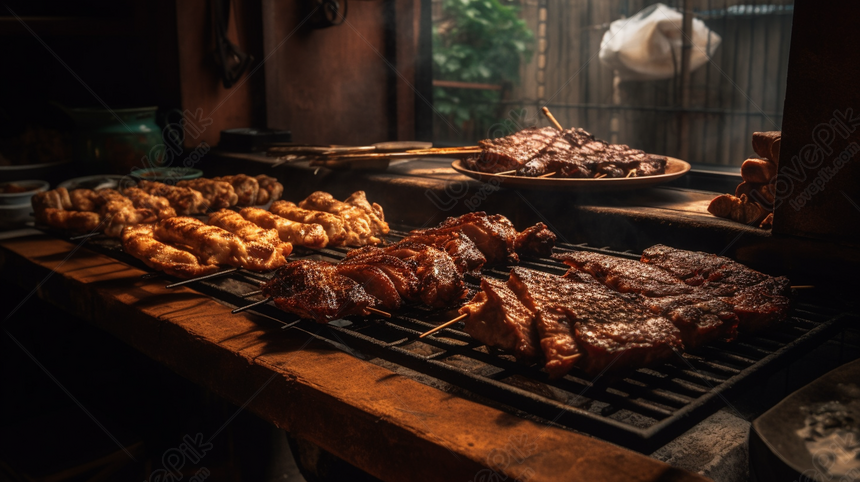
388	425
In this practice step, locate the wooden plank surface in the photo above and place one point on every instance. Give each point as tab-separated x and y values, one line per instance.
392	427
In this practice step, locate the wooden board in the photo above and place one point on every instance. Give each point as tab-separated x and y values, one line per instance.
388	425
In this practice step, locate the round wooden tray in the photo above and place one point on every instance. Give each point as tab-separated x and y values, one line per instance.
675	168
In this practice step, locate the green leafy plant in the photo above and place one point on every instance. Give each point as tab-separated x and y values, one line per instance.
477	41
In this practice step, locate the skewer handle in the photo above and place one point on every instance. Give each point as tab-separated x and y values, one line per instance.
551	118
444	325
379	312
201	278
248	307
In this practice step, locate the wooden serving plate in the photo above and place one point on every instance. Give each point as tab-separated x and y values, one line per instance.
675	168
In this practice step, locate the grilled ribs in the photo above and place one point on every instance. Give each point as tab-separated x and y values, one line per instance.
513	151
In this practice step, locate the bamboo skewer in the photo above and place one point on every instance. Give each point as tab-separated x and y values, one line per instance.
631	172
600	176
444	325
551	118
505	173
201	278
252	293
549	174
802	287
379	312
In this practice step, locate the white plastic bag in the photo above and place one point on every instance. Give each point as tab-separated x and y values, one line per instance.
647	46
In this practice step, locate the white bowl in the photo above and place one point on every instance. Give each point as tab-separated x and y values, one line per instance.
15	215
20	198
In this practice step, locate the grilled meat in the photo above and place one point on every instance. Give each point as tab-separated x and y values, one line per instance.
758	299
139	241
362	221
402	275
54	199
270	189
498	319
723	275
184	200
333	224
246	187
494	235
307	235
157	204
119	212
513	151
82	221
374	281
591	326
573	153
315	290
262	244
440	284
219	194
626	276
536	240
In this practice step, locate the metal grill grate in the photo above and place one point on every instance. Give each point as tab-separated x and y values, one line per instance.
641	410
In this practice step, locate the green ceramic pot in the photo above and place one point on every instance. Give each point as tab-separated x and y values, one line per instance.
117	141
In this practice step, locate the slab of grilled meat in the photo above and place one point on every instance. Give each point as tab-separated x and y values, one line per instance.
388	278
315	290
759	300
590	326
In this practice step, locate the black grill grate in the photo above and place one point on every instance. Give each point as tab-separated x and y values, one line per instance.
641	410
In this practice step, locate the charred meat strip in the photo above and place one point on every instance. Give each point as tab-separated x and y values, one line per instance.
588	325
498	319
536	240
315	290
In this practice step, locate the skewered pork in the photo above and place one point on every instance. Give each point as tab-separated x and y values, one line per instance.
184	200
498	319
53	199
83	221
246	187
364	223
213	245
494	236
119	212
157	204
333	224
261	243
219	194
440	284
139	241
315	290
307	235
270	189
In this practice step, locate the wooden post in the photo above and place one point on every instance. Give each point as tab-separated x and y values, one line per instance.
686	50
